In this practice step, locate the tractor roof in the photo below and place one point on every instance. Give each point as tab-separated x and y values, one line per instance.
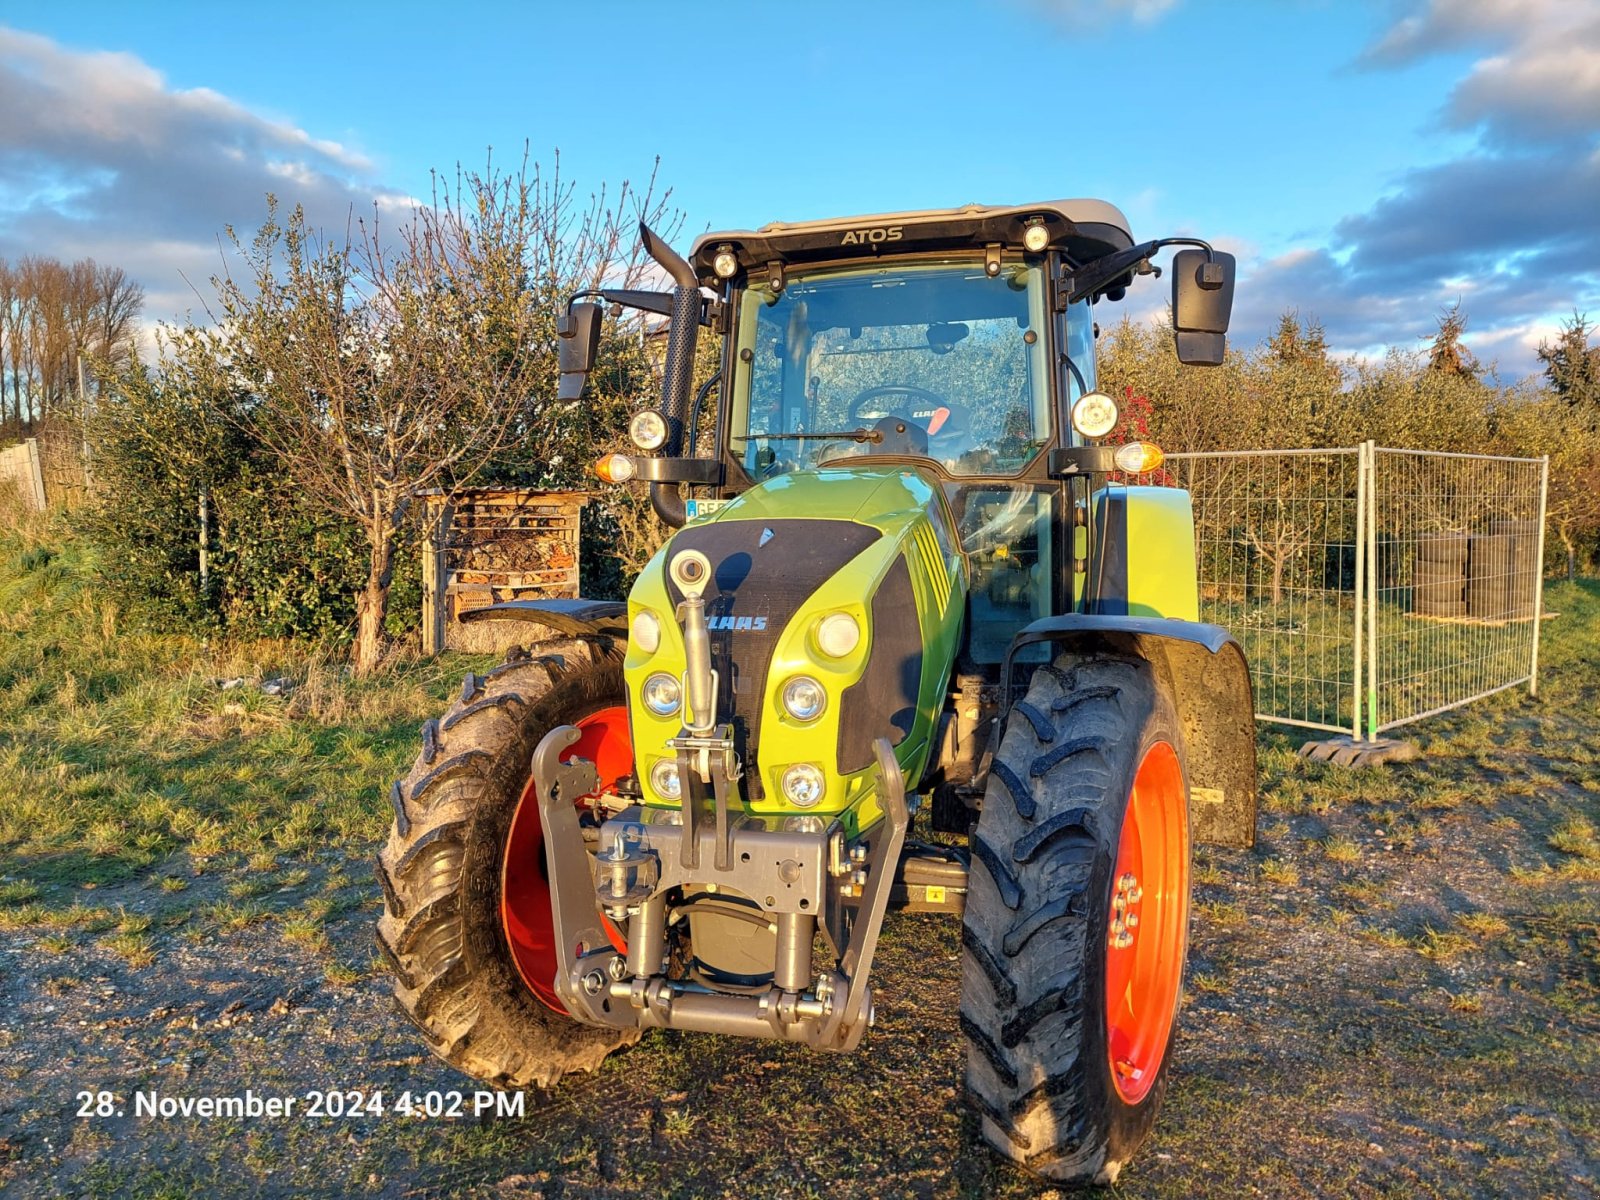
1085	229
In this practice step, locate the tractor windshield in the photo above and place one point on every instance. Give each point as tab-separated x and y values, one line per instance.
936	359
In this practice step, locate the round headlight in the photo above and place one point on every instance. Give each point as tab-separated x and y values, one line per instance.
645	629
1036	237
838	635
662	694
648	429
725	264
1094	415
804	698
803	785
664	778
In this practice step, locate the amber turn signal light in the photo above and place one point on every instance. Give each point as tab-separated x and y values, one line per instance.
1138	458
614	468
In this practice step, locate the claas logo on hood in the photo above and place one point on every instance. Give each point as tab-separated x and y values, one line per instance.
754	624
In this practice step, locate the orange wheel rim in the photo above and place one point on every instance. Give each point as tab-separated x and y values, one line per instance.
524	876
1149	922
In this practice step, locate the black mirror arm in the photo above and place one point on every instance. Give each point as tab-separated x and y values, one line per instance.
1092	276
659	303
656	302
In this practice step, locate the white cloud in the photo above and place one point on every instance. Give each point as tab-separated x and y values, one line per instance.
1541	79
1547	87
1439	26
101	157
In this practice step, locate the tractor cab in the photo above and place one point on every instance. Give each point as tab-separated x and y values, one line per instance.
957	343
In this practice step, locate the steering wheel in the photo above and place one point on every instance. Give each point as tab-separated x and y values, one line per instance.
907	393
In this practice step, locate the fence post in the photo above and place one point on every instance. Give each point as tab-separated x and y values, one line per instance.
1538	578
435	537
1372	588
1361	580
36	475
205	542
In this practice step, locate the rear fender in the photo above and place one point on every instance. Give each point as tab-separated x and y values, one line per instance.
1206	674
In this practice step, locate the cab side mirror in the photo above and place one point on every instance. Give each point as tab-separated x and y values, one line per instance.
578	334
1202	301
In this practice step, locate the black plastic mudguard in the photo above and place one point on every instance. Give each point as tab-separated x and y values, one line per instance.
574	617
1209	679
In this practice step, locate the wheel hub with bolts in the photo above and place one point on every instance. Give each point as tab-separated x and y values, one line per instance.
1123	919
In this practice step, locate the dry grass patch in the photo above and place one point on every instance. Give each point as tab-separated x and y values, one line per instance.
1280	872
1484	924
1341	849
1222	913
1392	938
1440	946
133	947
1208	983
1576	835
1209	875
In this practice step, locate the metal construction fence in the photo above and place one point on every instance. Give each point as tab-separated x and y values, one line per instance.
1371	587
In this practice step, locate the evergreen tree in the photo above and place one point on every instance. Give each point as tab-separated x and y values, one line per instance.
1447	355
1573	368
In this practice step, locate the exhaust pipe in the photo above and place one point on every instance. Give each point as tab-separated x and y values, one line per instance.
666	498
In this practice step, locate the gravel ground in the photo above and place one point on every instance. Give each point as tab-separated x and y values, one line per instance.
1379	1003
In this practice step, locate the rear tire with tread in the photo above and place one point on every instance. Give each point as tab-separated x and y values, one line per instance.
442	931
1038	913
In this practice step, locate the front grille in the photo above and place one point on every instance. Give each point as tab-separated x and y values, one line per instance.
760	576
883	702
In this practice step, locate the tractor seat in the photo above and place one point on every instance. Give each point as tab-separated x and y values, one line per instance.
949	429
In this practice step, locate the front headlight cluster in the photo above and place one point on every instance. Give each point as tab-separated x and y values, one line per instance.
664	778
804	698
803	785
662	694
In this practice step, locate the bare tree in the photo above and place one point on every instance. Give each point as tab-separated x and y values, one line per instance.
383	366
10	342
114	316
52	317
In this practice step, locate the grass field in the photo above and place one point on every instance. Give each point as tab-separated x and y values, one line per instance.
1397	993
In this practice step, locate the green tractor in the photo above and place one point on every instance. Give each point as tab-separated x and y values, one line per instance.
908	575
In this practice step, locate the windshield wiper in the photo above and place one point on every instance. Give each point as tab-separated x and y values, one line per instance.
856	435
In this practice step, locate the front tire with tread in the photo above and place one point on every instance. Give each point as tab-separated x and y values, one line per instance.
442	932
1038	916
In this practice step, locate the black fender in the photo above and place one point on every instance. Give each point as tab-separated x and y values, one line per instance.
1209	679
574	618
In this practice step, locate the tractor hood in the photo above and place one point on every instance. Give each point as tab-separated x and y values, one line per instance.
875	497
876	545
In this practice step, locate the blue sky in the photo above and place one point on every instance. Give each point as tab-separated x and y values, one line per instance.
1369	162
